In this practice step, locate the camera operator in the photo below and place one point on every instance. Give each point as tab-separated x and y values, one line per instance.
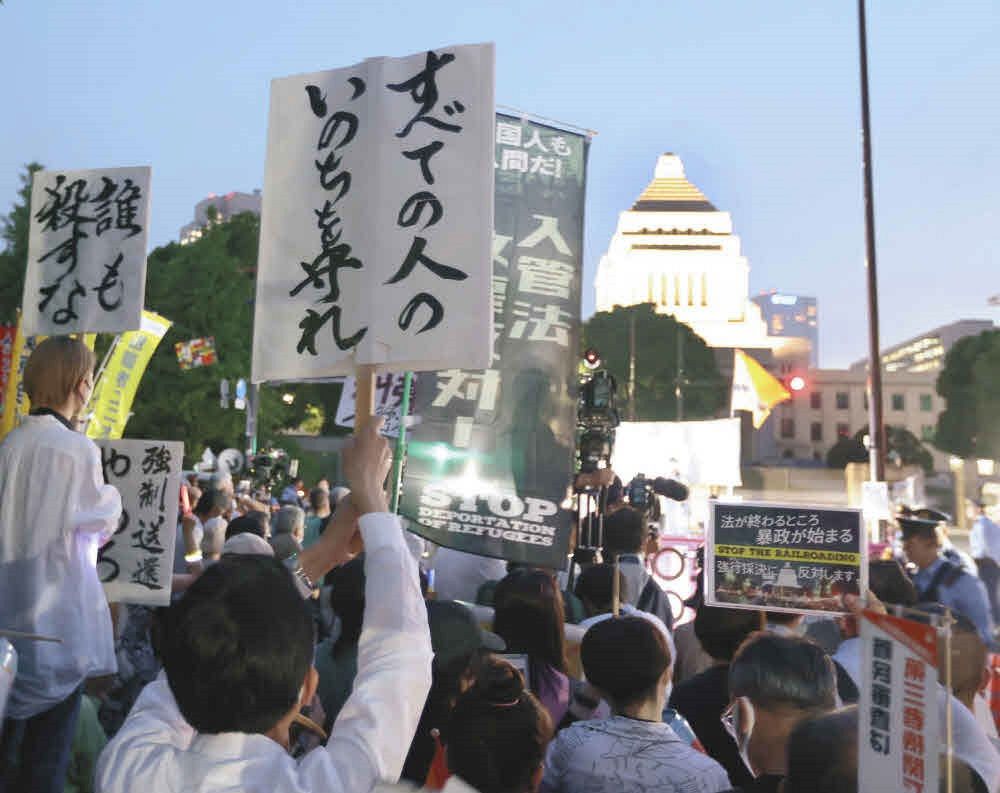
625	536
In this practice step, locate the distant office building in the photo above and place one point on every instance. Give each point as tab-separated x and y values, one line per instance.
926	352
226	207
791	315
834	404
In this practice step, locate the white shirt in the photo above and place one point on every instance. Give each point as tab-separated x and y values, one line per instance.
984	539
55	513
156	750
458	575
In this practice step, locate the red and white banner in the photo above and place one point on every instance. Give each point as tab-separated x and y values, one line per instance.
7	335
898	726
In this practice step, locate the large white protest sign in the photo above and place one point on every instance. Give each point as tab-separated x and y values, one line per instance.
377	218
698	452
136	565
86	251
899	735
388	402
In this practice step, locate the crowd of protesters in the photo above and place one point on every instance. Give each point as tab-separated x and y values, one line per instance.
312	645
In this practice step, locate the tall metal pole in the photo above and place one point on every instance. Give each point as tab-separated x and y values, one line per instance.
876	428
679	384
631	365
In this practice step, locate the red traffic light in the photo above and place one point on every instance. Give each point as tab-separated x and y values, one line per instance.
797	383
591	358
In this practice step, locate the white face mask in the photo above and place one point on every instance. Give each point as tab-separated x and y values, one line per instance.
738	719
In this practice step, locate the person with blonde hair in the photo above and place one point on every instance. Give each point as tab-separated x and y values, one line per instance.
55	513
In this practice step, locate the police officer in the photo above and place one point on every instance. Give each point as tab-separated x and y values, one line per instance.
939	580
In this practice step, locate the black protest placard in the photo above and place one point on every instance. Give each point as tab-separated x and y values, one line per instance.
490	462
784	557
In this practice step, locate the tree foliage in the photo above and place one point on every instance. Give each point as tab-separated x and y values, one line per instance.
904	448
705	391
969	426
206	289
14	256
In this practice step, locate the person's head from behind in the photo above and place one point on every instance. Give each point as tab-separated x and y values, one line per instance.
238	649
290	520
497	734
627	659
212	504
319	501
823	754
254	522
890	583
721	631
624	532
774	683
595	588
285	546
59	375
970	673
529	617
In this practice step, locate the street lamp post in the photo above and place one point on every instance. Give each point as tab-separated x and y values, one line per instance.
876	427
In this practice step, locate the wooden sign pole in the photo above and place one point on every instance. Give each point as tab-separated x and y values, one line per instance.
364	400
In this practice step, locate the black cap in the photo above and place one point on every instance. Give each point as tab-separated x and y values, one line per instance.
921	522
455	632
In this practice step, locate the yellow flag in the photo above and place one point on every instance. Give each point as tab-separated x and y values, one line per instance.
755	389
115	390
15	402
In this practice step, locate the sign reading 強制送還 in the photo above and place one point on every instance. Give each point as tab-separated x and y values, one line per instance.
137	563
86	251
784	557
377	218
491	459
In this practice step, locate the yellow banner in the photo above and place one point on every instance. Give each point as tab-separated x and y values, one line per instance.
788	554
115	391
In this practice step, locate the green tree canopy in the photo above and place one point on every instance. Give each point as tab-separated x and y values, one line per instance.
903	447
969	426
705	391
14	256
207	289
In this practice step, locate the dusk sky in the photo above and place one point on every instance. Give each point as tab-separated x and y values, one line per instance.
759	98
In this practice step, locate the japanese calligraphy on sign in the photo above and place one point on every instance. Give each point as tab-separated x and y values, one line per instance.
490	461
86	251
388	402
898	723
377	218
136	564
784	558
115	390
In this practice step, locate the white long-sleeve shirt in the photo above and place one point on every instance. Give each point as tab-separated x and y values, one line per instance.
55	513
156	750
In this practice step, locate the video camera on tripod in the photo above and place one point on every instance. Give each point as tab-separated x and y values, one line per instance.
269	467
596	415
640	491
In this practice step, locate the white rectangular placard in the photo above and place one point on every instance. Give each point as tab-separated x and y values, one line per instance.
899	731
388	402
377	218
86	251
136	564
